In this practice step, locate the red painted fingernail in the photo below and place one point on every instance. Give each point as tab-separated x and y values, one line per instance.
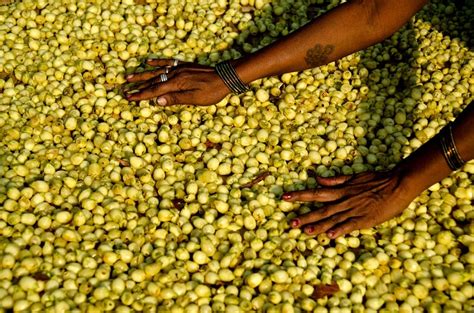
286	197
295	223
310	229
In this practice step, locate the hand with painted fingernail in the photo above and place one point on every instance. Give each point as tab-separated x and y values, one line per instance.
352	202
171	82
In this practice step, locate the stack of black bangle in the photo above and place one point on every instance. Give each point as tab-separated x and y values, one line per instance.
450	151
228	74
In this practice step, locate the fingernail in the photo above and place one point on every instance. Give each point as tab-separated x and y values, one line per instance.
130	76
161	101
331	233
286	197
310	229
295	223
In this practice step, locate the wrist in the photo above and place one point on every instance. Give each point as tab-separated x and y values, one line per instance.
411	180
247	70
418	174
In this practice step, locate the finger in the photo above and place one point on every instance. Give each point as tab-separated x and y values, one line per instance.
346	227
135	87
326	224
152	92
165	62
333	181
161	62
363	177
320	214
152	81
321	195
138	87
174	98
170	63
138	77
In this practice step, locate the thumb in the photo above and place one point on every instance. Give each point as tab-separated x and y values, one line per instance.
168	99
333	181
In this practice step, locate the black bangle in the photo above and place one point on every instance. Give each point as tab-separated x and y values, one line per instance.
227	79
228	74
232	79
450	151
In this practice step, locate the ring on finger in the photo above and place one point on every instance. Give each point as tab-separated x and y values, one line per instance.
163	77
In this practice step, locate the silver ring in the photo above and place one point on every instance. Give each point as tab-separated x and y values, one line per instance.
167	70
163	77
175	63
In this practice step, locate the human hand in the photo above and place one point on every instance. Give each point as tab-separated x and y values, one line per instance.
353	202
188	83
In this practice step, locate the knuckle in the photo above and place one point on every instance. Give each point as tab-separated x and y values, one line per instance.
344	231
304	219
338	192
308	217
294	195
176	71
180	80
353	225
325	212
172	99
346	228
315	193
169	99
313	217
180	72
335	218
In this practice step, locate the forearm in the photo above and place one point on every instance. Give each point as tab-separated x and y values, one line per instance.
427	165
348	28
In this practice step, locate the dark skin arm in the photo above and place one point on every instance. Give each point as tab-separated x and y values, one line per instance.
348	28
368	199
354	202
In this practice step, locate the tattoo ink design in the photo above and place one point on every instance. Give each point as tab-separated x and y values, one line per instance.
318	55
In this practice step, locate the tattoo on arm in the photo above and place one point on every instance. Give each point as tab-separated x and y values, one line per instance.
318	55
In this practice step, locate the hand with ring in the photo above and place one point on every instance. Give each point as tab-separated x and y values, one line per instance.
175	82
